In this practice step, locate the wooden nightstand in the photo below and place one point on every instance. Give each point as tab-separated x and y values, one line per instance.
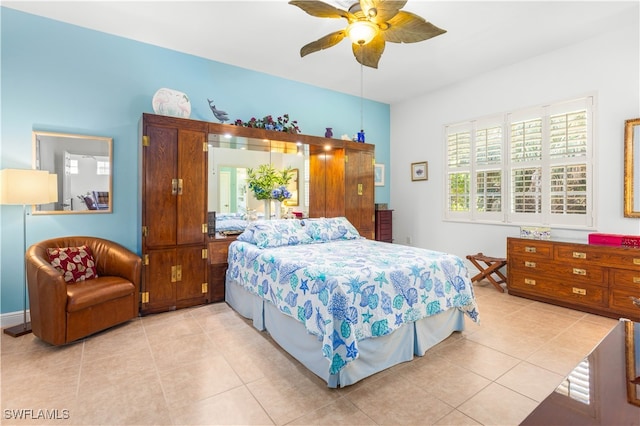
218	252
384	230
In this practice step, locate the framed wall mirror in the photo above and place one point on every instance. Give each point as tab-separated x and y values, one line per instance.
229	158
632	168
84	165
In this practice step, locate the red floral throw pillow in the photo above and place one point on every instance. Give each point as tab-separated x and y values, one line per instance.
76	263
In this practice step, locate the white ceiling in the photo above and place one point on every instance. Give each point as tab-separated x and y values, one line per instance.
266	36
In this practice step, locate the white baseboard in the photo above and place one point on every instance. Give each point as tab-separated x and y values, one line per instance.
13	318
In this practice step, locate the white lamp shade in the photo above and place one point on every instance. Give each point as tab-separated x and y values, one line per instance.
24	186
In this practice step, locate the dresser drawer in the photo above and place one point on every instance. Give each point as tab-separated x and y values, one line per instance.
586	273
626	278
626	302
530	248
384	219
607	256
385	234
577	254
623	257
219	250
578	293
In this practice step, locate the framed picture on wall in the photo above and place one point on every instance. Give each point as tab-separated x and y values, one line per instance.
419	171
378	174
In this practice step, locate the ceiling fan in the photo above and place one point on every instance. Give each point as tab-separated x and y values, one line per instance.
371	24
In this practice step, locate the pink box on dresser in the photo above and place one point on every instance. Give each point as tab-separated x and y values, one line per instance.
606	239
615	240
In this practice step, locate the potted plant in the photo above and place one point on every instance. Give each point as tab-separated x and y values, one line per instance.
268	184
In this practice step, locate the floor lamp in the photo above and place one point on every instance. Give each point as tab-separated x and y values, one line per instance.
26	187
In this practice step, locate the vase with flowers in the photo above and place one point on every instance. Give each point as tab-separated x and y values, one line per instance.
269	184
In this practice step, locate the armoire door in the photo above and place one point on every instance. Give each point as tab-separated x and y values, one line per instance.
160	186
359	191
159	281
192	189
326	183
192	274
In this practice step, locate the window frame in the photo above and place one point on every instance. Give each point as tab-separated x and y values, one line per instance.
507	215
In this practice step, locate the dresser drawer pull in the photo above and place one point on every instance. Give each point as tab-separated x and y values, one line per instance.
636	280
577	271
635	301
530	264
636	261
579	255
529	281
530	249
580	291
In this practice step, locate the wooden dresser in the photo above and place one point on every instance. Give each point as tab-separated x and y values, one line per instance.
384	229
599	279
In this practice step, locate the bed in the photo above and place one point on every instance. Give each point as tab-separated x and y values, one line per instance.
344	306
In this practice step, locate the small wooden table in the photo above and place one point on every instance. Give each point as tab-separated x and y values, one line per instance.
491	266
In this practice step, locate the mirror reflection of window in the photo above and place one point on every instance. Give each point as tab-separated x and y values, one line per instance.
102	167
72	167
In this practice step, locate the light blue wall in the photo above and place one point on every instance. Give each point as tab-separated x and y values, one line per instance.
59	77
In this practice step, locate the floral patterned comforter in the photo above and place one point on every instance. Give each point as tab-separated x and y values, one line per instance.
345	291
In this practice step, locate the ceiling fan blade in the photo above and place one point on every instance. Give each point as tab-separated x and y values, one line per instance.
407	27
321	9
369	54
380	11
323	43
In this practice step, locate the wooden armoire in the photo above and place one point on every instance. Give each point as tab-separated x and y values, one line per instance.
174	213
184	266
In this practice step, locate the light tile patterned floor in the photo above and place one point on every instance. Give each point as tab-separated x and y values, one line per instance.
207	365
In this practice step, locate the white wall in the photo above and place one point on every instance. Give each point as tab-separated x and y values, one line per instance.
607	66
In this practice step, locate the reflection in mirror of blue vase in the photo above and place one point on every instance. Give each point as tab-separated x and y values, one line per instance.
329	132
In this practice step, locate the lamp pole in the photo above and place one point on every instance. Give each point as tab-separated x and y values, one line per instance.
25	327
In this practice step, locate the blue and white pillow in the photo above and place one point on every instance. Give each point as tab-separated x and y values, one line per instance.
290	232
330	229
276	233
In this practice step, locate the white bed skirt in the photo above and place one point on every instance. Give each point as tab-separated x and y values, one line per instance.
375	354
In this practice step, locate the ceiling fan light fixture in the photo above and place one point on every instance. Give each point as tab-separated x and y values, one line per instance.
362	32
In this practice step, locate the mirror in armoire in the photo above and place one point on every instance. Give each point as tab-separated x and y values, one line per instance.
632	168
231	156
84	166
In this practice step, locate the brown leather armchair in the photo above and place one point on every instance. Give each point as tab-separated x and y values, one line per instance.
62	312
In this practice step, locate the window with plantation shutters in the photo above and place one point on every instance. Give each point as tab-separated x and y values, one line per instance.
459	169
533	166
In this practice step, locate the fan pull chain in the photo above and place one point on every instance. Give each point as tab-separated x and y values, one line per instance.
361	90
361	98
